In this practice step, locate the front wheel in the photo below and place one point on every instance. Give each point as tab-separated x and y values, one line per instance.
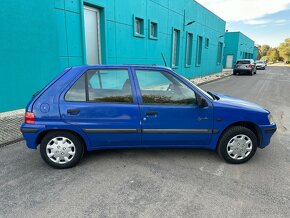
61	149
237	145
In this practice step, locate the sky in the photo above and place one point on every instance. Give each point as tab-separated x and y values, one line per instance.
264	21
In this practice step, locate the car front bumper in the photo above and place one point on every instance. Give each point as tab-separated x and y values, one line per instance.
267	132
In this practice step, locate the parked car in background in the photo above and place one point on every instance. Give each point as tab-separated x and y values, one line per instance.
129	106
245	66
261	65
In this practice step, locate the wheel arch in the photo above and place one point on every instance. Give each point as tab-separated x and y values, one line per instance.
250	125
43	133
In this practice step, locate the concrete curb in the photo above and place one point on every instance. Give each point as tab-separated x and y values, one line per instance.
206	82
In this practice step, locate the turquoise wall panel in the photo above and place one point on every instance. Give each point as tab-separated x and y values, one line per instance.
40	38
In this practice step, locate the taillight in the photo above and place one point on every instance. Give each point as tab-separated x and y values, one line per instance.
250	66
29	118
235	66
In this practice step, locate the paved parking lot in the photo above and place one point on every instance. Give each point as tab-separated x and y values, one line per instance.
161	183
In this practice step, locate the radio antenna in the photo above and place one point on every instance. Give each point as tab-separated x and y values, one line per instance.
164	59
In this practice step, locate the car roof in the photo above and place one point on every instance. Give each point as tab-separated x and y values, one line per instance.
107	66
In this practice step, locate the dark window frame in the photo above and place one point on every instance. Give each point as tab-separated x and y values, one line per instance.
155	24
175	48
142	27
206	42
199	51
220	53
188	51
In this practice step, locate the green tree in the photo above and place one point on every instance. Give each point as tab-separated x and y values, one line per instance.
284	49
273	54
259	52
264	49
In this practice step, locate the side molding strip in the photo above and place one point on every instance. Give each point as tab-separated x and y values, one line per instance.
111	130
152	131
178	131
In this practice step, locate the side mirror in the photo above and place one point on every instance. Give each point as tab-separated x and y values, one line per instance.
201	102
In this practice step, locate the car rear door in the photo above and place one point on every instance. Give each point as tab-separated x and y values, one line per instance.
102	102
169	113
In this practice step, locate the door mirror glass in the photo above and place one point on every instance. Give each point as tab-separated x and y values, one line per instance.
201	102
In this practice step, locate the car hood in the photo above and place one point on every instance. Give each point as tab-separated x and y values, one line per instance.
232	102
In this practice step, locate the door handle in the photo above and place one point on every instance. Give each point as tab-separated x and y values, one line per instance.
151	113
202	118
73	111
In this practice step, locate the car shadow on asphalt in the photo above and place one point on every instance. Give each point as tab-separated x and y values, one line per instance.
166	154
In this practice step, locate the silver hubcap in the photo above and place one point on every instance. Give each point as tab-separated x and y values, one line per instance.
239	147
60	150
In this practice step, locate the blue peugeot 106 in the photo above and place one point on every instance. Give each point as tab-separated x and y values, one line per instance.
128	106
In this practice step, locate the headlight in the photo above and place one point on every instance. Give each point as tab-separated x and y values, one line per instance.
271	120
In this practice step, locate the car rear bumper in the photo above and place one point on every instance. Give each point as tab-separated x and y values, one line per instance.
267	132
243	71
30	133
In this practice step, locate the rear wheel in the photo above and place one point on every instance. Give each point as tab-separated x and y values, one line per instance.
61	149
237	145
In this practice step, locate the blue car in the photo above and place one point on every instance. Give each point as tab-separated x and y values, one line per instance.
130	106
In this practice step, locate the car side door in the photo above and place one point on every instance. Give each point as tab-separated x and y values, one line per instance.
170	115
102	102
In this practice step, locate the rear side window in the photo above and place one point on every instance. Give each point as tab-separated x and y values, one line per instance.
243	62
106	86
77	92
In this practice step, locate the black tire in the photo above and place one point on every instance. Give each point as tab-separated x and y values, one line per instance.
234	73
78	149
228	136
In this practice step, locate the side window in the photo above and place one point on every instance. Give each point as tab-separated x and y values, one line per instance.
109	86
112	86
162	88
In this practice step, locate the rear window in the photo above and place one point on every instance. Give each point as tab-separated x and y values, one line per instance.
243	62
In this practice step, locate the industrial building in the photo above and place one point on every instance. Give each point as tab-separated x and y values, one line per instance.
238	46
40	38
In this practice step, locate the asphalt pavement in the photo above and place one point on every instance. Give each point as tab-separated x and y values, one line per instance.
161	183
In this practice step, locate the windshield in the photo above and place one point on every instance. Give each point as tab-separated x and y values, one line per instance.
243	62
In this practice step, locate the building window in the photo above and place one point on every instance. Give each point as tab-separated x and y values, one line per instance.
206	42
199	51
138	26
220	53
175	47
188	54
153	30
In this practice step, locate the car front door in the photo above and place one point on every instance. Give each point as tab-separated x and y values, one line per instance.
170	115
103	104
